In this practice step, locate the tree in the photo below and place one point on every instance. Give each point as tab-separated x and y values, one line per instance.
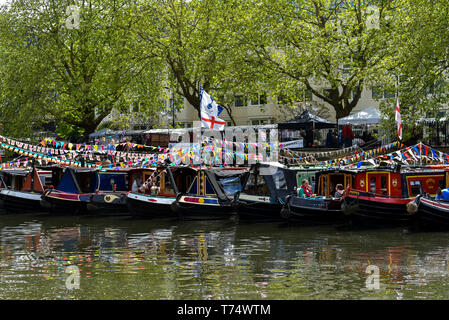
332	48
195	40
75	73
420	70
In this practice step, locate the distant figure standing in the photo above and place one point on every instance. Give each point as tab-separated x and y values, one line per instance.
329	139
309	138
347	136
111	147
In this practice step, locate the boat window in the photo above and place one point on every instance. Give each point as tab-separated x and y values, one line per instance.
383	185
84	181
231	185
442	185
168	188
279	180
415	188
46	179
254	186
372	185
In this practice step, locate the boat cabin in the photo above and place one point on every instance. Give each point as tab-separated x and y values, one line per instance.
404	183
164	181
24	180
327	180
223	183
270	180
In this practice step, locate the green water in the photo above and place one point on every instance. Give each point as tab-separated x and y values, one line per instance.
124	258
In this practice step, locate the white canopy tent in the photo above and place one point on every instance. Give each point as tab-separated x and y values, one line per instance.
370	115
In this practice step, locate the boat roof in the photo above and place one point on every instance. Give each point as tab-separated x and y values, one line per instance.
15	172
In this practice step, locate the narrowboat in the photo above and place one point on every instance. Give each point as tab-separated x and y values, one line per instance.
109	192
428	212
323	207
21	189
159	190
211	194
73	191
264	192
379	196
83	190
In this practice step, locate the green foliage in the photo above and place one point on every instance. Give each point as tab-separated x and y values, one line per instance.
74	75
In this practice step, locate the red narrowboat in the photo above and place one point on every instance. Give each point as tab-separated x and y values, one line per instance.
380	195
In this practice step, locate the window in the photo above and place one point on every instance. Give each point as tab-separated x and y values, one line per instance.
239	101
372	185
378	93
231	185
415	188
279	180
258	122
383	185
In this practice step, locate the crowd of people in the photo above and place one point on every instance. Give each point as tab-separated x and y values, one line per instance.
345	137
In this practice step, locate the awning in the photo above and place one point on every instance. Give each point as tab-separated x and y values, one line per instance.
307	120
370	115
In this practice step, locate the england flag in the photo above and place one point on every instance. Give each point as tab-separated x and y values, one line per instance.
398	120
210	110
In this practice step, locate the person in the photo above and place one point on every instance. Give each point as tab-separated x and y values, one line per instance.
347	136
137	184
309	138
305	191
110	148
329	139
443	195
339	191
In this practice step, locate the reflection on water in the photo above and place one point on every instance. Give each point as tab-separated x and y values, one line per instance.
123	258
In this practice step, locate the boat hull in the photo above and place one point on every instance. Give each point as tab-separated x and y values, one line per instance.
202	208
108	204
147	206
20	202
254	207
371	210
432	213
313	211
62	203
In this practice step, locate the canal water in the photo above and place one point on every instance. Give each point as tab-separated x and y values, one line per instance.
125	258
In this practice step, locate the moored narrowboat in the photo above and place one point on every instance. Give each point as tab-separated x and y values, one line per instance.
73	191
264	192
379	196
109	192
324	206
431	212
159	190
211	194
21	189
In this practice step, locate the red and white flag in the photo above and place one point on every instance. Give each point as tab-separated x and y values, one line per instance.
212	122
398	120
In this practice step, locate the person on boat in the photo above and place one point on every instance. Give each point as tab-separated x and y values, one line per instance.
137	184
305	191
339	191
442	195
110	148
